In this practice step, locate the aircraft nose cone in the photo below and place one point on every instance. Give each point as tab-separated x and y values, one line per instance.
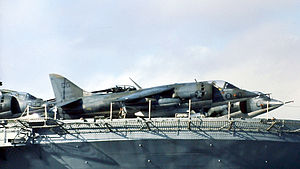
272	104
275	103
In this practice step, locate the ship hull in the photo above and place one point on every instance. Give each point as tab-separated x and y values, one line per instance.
163	153
153	143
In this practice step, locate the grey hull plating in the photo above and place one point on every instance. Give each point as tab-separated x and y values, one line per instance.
155	143
155	154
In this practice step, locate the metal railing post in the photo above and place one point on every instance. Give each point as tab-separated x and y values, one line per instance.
229	106
267	109
149	110
46	114
190	107
27	110
111	107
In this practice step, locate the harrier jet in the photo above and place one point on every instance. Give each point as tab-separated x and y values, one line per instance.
13	103
164	101
248	108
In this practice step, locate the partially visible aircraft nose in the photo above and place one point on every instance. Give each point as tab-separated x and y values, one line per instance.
275	103
271	103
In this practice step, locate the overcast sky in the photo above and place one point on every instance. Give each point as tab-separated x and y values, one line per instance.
253	44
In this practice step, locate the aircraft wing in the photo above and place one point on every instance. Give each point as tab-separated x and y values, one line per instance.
7	91
145	93
66	103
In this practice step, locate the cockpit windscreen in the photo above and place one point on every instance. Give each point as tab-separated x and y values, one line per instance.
220	84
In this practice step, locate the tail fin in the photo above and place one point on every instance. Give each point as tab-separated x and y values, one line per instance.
64	89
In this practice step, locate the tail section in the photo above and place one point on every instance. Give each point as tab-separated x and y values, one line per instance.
64	89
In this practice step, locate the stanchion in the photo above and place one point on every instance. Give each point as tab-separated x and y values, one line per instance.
190	107
229	106
27	110
46	114
149	110
267	109
110	115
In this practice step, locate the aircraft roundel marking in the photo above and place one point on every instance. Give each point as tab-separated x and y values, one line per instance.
198	94
259	104
228	95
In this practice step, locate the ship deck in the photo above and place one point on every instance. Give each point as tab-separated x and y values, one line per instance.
18	132
150	143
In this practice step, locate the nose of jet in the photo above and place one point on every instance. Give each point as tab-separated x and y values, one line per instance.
275	103
271	103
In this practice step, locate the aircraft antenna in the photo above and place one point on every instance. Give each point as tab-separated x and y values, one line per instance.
135	83
287	102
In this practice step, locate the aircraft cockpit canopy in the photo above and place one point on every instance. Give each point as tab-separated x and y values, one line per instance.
123	88
220	84
30	97
25	96
116	89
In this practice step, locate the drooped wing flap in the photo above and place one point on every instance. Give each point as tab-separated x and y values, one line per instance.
144	93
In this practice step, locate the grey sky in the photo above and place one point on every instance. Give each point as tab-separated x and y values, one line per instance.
97	44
